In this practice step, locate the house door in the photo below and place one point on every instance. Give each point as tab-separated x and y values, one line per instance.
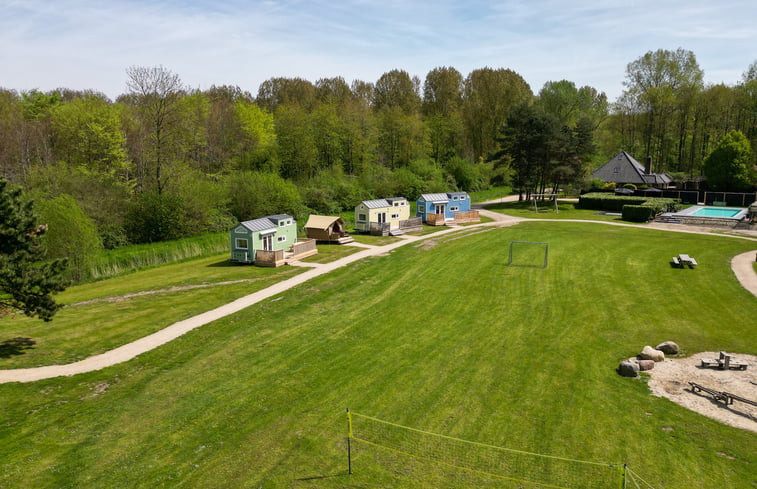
439	208
268	242
381	217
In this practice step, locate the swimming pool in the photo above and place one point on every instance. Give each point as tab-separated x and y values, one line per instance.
708	212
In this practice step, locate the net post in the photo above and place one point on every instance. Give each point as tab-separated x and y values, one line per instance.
623	469
349	435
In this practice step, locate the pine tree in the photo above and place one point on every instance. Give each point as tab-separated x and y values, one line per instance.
26	283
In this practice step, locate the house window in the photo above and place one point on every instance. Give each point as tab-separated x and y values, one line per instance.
454	208
241	244
282	223
281	239
454	197
395	216
361	218
462	197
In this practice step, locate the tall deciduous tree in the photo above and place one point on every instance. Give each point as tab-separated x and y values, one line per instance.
488	96
442	100
729	165
26	284
156	94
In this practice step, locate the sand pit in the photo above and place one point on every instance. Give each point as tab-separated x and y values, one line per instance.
671	379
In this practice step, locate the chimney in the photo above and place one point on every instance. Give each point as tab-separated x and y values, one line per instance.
648	168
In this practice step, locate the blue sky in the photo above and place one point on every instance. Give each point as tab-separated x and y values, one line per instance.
89	44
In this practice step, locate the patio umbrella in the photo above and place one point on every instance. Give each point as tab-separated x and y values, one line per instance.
623	191
652	190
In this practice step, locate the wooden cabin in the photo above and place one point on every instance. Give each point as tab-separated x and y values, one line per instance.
327	229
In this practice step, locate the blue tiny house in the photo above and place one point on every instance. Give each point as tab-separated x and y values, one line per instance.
267	234
443	208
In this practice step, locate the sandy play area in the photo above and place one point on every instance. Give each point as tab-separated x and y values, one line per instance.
671	378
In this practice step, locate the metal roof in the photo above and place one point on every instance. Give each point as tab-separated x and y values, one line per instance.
435	197
265	223
375	204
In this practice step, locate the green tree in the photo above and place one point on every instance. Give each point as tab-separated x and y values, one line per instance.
71	234
155	217
255	194
26	283
729	166
442	99
488	96
155	95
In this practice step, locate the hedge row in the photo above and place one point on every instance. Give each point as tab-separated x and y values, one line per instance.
608	202
615	203
637	213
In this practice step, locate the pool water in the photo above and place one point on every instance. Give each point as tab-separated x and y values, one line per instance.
716	212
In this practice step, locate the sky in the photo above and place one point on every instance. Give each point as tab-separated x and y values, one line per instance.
89	44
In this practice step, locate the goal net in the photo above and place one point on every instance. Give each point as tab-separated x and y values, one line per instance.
532	254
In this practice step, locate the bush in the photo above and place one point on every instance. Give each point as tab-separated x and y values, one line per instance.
610	186
71	234
255	194
637	213
155	217
615	203
608	202
630	186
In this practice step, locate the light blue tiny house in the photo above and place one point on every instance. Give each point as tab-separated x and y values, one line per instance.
439	208
269	233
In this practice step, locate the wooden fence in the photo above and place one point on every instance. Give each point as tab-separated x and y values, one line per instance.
303	248
265	258
469	216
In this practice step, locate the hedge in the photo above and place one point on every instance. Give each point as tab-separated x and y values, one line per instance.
615	203
608	202
637	213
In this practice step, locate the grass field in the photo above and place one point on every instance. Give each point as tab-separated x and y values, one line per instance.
566	210
438	335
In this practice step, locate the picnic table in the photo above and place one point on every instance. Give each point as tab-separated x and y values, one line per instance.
684	259
724	362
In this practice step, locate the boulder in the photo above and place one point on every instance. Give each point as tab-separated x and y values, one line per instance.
628	369
649	353
645	365
634	359
668	348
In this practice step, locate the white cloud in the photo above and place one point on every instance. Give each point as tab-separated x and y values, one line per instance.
88	44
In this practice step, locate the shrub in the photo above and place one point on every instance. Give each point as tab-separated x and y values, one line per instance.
630	186
608	202
637	213
610	186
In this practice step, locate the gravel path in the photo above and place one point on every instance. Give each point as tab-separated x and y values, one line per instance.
742	269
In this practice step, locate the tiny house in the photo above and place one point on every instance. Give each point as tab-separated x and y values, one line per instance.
442	208
374	216
268	234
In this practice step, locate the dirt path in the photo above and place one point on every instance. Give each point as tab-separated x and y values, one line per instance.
150	342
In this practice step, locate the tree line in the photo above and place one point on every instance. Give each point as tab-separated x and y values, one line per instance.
164	161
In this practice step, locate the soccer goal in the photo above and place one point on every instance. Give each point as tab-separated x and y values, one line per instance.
531	254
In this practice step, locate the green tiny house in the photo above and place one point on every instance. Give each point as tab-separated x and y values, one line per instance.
269	233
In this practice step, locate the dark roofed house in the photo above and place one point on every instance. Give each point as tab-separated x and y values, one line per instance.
623	168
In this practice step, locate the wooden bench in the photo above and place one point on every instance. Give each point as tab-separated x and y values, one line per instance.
726	397
719	396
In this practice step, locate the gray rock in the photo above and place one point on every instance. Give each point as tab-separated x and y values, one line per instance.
646	365
628	369
668	348
649	353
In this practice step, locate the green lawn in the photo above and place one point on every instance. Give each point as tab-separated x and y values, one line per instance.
438	335
81	330
566	210
331	252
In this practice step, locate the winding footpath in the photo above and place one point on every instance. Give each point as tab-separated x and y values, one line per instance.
741	265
